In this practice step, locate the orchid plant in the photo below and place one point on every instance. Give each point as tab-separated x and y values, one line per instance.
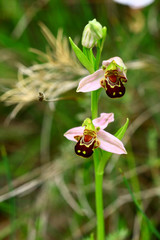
90	138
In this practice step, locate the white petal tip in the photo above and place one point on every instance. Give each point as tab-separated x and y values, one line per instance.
123	151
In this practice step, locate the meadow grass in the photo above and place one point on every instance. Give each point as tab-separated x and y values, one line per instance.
47	192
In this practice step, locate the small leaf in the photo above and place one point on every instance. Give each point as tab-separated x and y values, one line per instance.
81	57
120	234
104	33
106	155
120	133
89	54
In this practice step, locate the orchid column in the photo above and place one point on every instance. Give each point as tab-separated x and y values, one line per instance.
90	138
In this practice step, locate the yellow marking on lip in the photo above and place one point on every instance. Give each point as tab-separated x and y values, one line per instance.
114	93
78	151
84	152
120	92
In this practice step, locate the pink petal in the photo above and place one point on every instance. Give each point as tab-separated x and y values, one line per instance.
103	120
110	143
71	133
91	82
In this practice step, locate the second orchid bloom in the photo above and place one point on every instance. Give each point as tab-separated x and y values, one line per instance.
111	77
91	135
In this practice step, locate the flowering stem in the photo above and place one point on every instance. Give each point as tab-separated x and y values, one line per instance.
98	177
96	157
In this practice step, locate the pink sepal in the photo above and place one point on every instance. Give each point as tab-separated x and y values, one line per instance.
71	133
91	82
110	143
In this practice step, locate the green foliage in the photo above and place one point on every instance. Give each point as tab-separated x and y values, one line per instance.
120	133
81	57
148	221
106	155
120	234
89	238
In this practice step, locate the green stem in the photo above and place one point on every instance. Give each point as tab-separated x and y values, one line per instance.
94	104
99	205
98	56
98	177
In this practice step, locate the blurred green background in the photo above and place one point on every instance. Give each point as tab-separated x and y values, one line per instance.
47	192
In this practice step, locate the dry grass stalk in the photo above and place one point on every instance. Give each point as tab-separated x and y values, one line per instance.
57	73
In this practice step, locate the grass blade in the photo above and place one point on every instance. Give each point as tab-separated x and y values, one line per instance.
150	224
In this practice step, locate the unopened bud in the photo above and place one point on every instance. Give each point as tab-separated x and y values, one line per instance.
91	34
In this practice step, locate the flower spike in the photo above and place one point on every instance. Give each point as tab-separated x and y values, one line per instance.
91	136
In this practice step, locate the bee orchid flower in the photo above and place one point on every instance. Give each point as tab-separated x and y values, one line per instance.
136	3
111	77
91	135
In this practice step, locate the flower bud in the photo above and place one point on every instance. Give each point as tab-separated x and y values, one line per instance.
91	34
